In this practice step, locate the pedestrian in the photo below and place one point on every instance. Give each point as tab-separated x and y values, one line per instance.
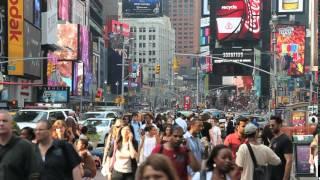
156	166
166	135
57	158
220	164
17	157
88	164
263	155
266	135
178	153
123	163
148	143
281	144
215	132
108	148
136	125
234	140
60	131
181	122
27	133
229	126
148	118
313	157
193	143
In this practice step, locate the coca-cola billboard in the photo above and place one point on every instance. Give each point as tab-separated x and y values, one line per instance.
238	19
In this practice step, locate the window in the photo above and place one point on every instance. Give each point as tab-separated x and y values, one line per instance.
144	60
139	60
154	45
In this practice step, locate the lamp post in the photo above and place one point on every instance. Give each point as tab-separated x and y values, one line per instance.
105	83
117	84
273	23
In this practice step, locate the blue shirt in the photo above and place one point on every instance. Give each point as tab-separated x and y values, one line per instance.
136	128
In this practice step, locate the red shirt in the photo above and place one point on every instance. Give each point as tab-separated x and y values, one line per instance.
233	141
179	158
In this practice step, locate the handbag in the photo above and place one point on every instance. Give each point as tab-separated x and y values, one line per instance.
259	172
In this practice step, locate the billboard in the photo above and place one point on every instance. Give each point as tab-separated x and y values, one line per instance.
142	8
52	73
223	63
84	51
290	41
64	10
37	13
49	23
238	19
3	33
204	36
68	40
205	64
49	94
242	83
78	79
15	37
290	6
28	10
32	48
205	8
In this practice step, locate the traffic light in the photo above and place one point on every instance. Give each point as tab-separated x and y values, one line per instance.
158	69
175	65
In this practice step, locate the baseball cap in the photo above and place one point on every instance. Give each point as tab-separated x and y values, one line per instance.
250	129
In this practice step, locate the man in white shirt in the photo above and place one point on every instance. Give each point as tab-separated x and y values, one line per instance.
182	123
215	133
263	154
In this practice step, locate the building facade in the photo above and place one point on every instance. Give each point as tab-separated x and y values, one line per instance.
153	44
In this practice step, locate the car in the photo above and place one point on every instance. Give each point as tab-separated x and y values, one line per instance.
214	113
102	127
100	114
29	117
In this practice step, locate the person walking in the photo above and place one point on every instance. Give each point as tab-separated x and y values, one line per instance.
17	156
136	124
194	143
263	155
313	157
215	133
234	140
281	144
181	122
148	143
57	158
179	154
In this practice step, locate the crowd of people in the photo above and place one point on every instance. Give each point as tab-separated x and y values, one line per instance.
141	147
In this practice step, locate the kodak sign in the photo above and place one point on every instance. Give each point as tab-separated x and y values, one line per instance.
15	37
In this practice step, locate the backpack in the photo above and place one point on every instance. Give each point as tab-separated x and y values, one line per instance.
259	172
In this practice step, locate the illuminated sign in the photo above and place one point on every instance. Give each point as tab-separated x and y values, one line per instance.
150	8
2	34
290	6
15	37
52	94
291	48
238	20
68	40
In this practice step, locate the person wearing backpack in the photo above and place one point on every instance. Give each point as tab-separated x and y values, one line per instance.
252	158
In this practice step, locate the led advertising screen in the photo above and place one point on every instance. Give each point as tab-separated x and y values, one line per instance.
205	8
84	50
68	40
52	73
78	79
290	6
37	13
204	36
238	19
142	8
32	46
49	94
64	69
3	33
64	10
243	83
224	63
291	48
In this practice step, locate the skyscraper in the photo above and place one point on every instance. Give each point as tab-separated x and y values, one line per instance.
185	17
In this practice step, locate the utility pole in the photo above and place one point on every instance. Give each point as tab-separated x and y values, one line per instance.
197	71
122	72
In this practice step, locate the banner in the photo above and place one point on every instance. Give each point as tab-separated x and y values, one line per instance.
238	20
15	37
142	8
291	48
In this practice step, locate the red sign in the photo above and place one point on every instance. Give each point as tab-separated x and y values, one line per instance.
290	48
238	19
187	103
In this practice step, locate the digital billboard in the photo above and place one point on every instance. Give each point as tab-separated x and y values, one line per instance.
142	8
64	10
243	83
290	6
238	19
224	64
291	48
49	94
78	79
204	36
15	37
3	33
32	48
84	51
205	8
68	40
37	13
52	73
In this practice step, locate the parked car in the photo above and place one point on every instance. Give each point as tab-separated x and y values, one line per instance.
101	126
29	117
100	114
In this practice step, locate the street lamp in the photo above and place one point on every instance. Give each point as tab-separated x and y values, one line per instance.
105	92
117	84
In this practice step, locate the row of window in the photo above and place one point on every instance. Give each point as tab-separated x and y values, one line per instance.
143	60
143	53
143	45
151	37
142	29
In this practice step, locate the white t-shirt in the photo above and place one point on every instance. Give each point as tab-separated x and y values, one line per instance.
182	123
215	136
264	156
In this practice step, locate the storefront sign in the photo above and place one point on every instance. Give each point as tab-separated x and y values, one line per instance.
53	94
